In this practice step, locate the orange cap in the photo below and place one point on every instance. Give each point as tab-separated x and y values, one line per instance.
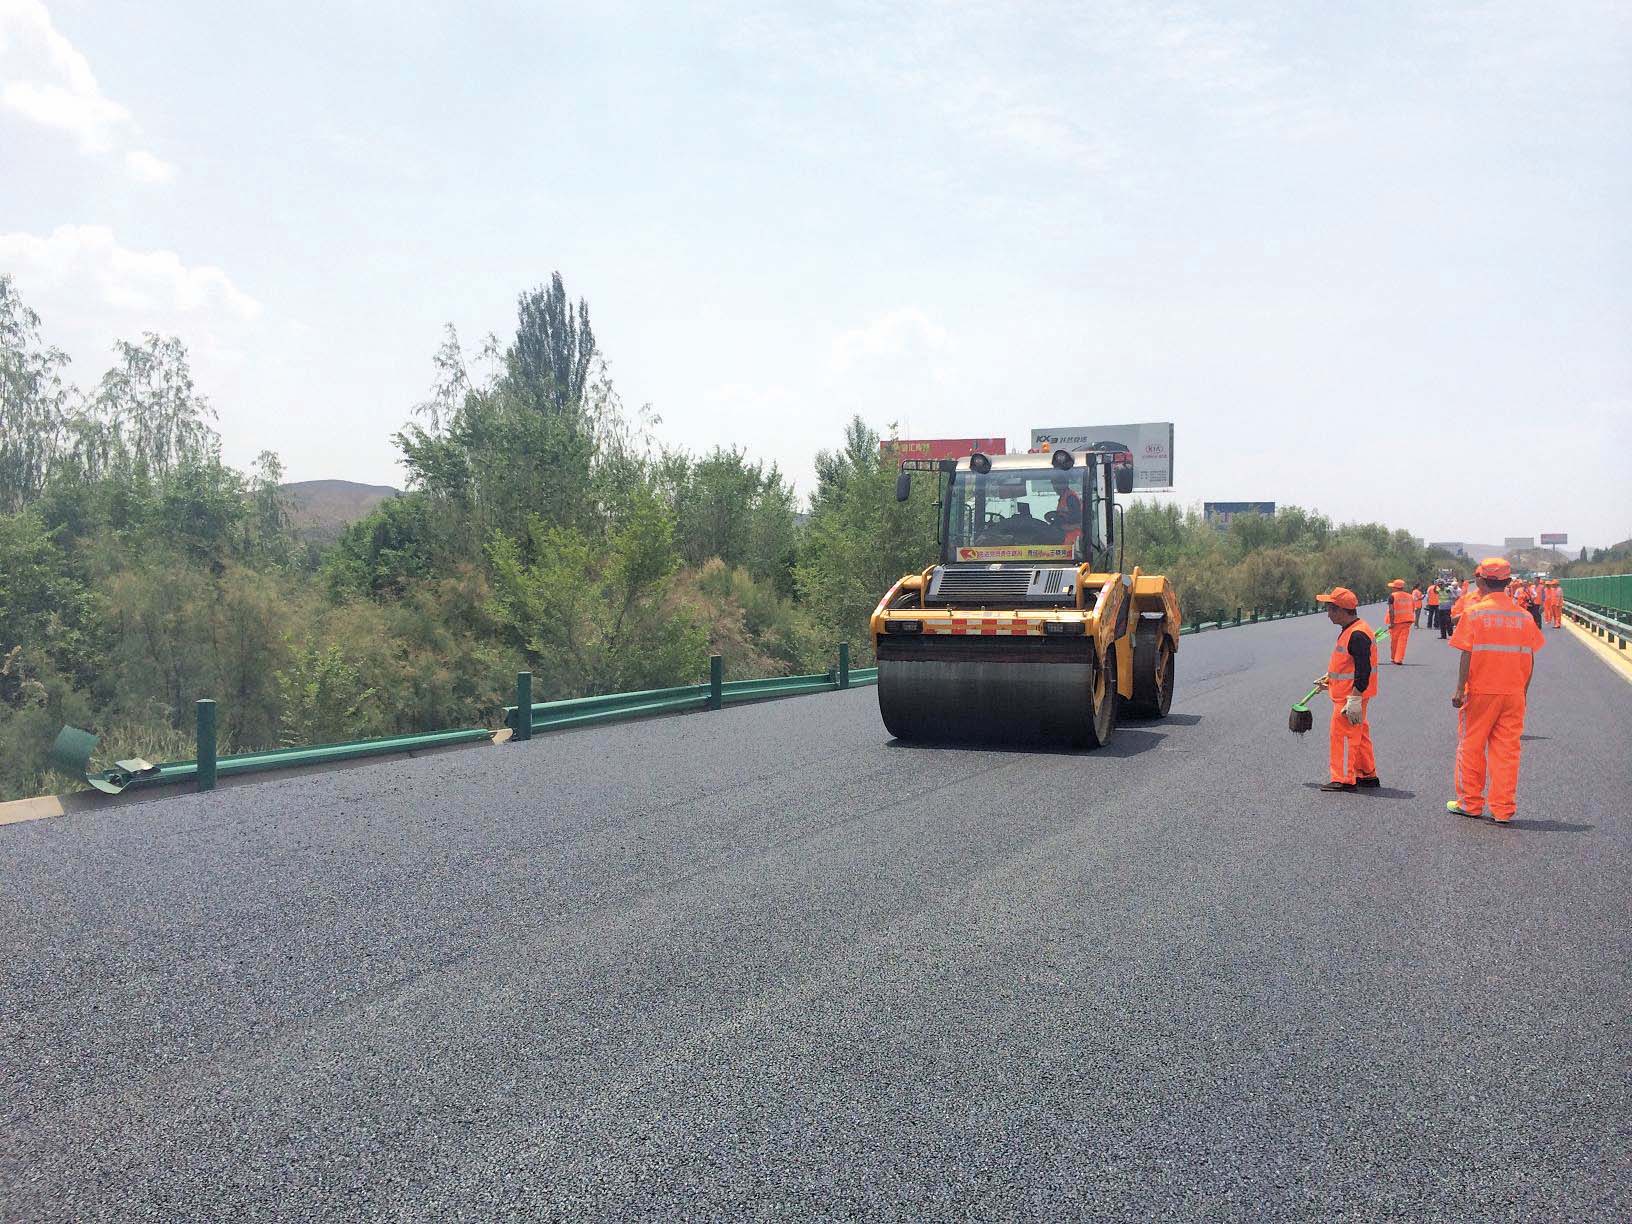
1495	568
1398	584
1341	596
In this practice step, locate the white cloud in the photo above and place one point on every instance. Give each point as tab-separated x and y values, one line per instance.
148	168
46	80
80	262
907	330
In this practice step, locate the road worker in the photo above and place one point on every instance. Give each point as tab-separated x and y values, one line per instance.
1498	641
1449	610
1432	599
1416	607
1068	510
1555	603
1399	620
1536	593
1351	679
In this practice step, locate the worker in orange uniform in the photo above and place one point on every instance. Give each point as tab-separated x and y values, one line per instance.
1431	602
1555	603
1498	641
1416	607
1351	679
1399	620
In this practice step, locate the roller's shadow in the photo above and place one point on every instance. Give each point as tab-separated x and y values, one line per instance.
1127	742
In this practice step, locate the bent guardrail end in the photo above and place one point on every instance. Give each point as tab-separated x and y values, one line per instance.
71	755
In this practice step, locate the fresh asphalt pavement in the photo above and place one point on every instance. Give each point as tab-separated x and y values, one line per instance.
767	961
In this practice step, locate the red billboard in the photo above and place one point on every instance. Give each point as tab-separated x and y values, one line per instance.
942	448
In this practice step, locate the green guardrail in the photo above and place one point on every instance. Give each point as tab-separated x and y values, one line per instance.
1608	592
71	754
715	695
1613	626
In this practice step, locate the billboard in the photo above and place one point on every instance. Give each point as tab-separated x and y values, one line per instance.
1455	547
1513	543
1150	444
1219	514
942	448
1549	538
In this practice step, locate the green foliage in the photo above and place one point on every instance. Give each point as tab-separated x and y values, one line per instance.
32	402
860	540
739	512
43	606
323	697
590	614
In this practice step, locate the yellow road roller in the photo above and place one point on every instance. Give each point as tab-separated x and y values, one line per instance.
1025	631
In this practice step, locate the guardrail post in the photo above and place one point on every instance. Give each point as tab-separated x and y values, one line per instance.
844	665
524	706
205	775
1238	616
716	682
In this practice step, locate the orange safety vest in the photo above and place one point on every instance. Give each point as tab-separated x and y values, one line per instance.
1416	598
1501	639
1519	595
1399	608
1340	667
1433	596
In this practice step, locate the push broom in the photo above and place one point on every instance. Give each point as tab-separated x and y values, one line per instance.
1301	720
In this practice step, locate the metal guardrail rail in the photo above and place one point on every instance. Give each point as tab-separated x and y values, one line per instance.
1611	624
715	695
72	751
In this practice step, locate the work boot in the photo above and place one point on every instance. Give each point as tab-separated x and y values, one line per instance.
1347	787
1455	809
1501	820
1369	781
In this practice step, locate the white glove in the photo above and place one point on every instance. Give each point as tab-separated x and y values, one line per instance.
1351	710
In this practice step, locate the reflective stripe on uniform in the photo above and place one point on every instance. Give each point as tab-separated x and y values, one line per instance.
1503	649
1340	675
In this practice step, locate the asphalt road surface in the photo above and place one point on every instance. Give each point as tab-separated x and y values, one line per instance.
767	961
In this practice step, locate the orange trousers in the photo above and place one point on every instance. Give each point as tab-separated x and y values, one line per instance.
1351	745
1489	726
1397	634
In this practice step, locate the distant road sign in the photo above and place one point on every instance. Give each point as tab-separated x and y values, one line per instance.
1219	514
1555	537
942	448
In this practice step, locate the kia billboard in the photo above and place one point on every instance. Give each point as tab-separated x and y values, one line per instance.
1150	444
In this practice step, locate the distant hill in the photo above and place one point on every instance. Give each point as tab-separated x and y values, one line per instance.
319	510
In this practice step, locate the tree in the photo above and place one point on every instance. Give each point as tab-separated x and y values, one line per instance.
549	362
32	399
157	421
267	523
591	614
859	539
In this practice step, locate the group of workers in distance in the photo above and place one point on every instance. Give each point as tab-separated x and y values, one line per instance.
1495	622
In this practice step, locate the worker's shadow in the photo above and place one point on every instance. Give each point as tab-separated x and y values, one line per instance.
1377	792
1550	826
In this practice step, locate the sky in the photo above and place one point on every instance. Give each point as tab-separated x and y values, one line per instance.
1370	258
